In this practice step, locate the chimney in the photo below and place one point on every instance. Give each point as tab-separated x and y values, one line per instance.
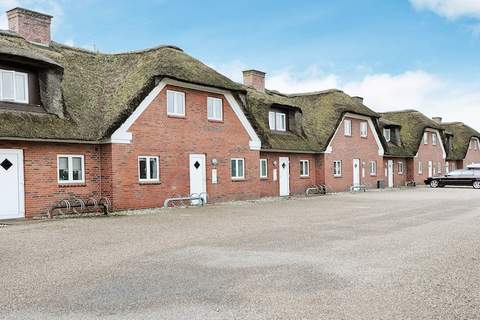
358	99
437	119
33	26
254	79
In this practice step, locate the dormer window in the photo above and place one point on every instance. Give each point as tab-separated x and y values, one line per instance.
434	139
387	133
13	86
277	121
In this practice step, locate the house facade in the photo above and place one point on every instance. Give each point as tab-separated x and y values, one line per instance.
463	145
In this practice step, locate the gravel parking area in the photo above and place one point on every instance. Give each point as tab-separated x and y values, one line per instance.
408	254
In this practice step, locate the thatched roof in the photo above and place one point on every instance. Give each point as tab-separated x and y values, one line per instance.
321	114
413	124
99	90
462	134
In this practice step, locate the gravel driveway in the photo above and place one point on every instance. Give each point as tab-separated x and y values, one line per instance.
409	254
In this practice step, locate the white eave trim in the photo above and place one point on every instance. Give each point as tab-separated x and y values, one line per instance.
122	135
381	150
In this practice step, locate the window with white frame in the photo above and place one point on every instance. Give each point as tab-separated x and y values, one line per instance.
347	127
263	168
175	103
387	133
439	167
434	139
71	168
475	144
420	167
363	129
13	86
373	168
148	169
425	138
277	121
215	109
337	168
304	168
401	167
238	168
447	167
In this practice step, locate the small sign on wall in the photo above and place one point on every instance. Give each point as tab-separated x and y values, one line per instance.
274	174
214	176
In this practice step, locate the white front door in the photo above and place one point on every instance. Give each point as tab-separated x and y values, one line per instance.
11	184
430	169
356	172
284	176
390	173
198	176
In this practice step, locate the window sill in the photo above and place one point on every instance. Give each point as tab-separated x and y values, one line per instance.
238	179
72	185
148	183
304	177
176	116
264	178
338	176
215	120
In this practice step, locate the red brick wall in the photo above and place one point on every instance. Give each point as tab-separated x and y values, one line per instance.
347	148
40	170
173	140
473	154
399	179
298	185
428	152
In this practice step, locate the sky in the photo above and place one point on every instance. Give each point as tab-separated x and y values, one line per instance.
397	54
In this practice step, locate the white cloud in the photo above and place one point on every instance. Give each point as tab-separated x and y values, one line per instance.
415	89
51	7
450	9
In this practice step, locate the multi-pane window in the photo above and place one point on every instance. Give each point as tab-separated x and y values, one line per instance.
420	167
304	168
277	121
439	167
13	86
363	129
373	168
434	139
148	168
337	168
175	103
263	168
347	127
71	169
401	167
238	168
387	133
215	109
425	138
447	167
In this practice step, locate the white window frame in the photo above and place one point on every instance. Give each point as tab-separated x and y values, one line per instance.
434	139
347	129
147	159
439	167
274	119
214	103
425	138
176	94
363	129
14	84
305	168
236	164
337	170
447	167
264	175
401	167
70	169
373	168
420	167
388	137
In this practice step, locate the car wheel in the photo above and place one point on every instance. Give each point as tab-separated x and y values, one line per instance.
434	184
476	184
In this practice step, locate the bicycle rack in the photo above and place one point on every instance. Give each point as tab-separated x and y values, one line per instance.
76	205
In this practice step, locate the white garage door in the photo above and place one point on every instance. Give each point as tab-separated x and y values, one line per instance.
11	184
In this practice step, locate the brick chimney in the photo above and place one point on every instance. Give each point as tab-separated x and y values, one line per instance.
254	79
437	119
33	26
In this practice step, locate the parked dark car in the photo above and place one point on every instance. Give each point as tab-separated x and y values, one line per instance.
467	177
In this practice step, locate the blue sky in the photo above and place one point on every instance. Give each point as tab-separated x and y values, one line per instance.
419	54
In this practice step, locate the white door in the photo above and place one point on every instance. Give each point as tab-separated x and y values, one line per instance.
356	172
11	184
390	173
284	176
430	169
198	176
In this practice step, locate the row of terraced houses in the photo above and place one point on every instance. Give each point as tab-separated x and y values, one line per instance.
140	127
